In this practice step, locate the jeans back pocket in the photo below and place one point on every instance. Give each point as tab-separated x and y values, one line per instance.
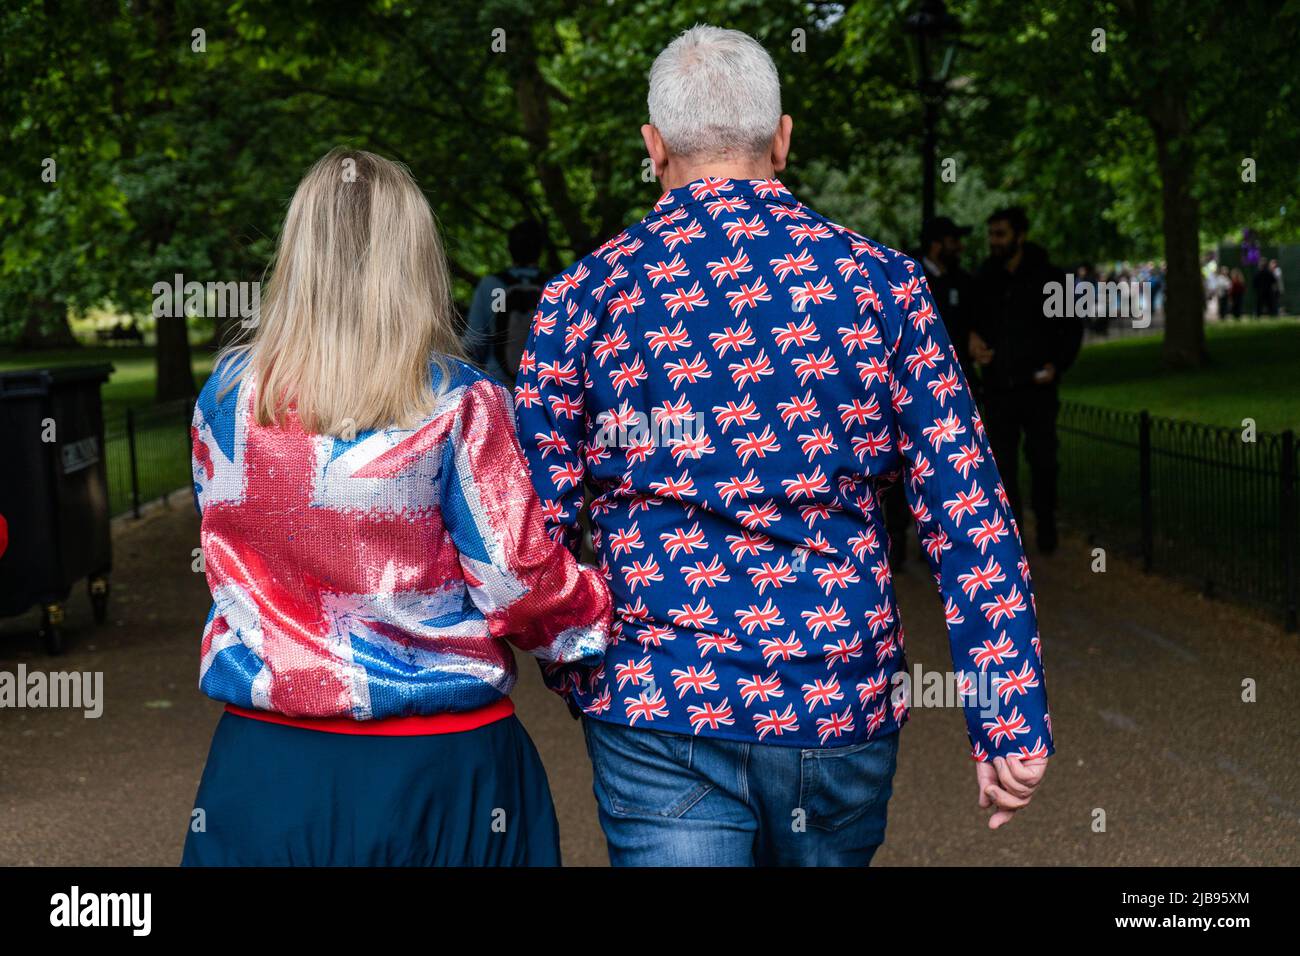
642	772
839	784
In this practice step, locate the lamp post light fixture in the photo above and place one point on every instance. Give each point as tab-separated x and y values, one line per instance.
936	32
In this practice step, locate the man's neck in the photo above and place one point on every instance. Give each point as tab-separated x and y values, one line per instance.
679	172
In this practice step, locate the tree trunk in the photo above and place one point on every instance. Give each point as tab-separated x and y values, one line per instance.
531	95
1167	114
175	376
1184	342
46	326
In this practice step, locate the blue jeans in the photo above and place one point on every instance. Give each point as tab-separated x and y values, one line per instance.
672	800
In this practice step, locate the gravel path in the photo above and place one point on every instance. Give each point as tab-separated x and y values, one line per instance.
1145	680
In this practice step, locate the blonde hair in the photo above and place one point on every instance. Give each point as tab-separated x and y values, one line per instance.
358	304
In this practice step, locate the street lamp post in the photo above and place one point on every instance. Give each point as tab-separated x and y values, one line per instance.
935	31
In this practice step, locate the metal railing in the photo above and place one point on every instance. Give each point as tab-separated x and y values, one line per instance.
1193	501
1214	506
147	454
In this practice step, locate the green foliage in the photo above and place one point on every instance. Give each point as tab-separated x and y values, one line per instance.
1039	114
172	160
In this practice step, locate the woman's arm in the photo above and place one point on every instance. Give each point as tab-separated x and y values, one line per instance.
531	590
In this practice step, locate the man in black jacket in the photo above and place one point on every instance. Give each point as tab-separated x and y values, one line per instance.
1022	351
1265	283
952	288
950	284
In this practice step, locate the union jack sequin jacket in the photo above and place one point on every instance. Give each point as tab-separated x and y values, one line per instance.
380	576
737	378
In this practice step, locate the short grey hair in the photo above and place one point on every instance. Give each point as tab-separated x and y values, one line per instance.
715	91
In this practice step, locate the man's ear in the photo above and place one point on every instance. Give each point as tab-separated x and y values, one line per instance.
655	148
781	142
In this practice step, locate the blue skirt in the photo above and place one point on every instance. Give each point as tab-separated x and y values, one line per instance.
275	795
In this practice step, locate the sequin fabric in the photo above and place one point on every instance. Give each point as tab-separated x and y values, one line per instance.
380	576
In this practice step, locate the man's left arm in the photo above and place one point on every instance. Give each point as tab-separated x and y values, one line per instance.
967	532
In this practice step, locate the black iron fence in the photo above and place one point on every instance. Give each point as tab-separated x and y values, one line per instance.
147	453
1214	506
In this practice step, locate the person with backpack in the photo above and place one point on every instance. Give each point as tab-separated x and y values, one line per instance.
501	312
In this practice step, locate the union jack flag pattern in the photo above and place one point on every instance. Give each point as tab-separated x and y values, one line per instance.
737	378
380	576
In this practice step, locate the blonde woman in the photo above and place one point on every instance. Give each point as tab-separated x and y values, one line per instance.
372	541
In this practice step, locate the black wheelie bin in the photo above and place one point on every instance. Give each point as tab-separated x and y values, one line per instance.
53	493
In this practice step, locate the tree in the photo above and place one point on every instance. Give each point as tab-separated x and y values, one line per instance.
1122	125
195	142
178	150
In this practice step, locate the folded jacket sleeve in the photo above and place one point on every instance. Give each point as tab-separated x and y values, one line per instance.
966	527
530	589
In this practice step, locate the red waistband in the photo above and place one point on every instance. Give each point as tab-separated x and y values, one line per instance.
412	726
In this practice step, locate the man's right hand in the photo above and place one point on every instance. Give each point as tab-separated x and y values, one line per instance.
979	349
1007	784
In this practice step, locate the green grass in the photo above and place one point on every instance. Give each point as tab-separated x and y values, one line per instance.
1254	372
162	439
132	382
1215	509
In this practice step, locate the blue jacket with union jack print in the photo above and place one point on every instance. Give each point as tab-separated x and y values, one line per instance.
736	378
